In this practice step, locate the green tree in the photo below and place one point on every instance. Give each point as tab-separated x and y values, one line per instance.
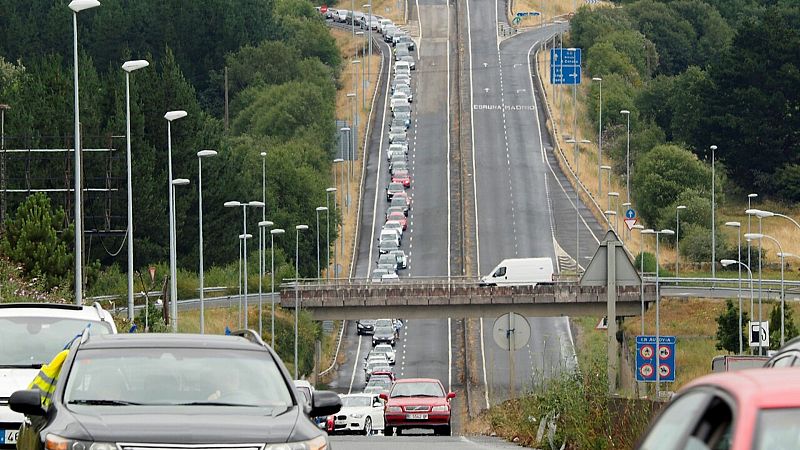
673	35
38	238
728	330
639	50
789	327
662	175
603	58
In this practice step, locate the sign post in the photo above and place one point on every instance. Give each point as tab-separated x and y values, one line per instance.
759	334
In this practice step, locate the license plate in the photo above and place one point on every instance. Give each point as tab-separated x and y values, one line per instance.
8	436
417	416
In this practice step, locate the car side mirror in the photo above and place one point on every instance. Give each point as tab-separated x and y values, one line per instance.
384	396
325	403
451	395
27	402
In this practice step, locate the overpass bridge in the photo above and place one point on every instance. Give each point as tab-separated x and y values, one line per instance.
429	298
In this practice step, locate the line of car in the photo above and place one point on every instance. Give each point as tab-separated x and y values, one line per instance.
388	403
391	257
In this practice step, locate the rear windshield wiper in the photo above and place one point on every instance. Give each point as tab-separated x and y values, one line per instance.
21	366
102	402
209	403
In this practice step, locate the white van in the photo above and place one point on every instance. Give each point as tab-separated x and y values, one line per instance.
401	67
382	24
341	15
520	272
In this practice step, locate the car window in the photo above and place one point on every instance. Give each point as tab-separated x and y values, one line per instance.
355	401
501	272
714	429
33	341
783	361
420	389
778	429
675	422
176	376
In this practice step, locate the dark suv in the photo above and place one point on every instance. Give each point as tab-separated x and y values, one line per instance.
176	391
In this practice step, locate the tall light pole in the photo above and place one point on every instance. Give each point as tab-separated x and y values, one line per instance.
616	208
641	269
244	205
608	188
339	161
243	270
755	212
262	226
628	155
174	305
759	237
319	210
369	38
738	227
678	238
173	285
713	215
77	6
3	109
349	160
298	229
128	67
363	69
328	230
272	233
726	263
599	138
658	313
750	197
200	155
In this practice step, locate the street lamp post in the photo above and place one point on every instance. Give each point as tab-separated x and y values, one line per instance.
599	138
340	235
200	155
616	208
272	233
175	183
755	212
609	213
628	155
349	160
759	237
641	269
173	285
713	215
608	188
738	227
328	191
726	263
319	210
262	226
128	67
77	6
3	108
750	197
369	33
678	238
658	312
244	205
298	228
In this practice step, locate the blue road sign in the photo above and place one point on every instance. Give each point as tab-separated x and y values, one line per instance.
566	56
527	13
565	74
646	358
630	214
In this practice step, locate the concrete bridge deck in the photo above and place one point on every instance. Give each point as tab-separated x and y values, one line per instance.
456	298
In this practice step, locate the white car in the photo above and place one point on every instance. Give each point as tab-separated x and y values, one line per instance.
34	333
398	98
360	413
386	349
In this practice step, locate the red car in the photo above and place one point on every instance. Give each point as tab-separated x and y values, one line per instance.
417	403
398	216
747	409
402	176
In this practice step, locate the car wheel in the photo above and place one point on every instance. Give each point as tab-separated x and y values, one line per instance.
387	431
368	426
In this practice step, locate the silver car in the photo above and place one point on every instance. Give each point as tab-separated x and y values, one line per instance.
397	133
405	89
402	259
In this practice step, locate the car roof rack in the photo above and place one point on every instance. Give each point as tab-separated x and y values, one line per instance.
250	335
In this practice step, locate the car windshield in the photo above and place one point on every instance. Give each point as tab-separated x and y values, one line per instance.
417	389
356	401
381	381
176	376
384	330
33	341
387	259
778	428
403	108
395	187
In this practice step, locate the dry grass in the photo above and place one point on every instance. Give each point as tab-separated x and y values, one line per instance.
390	9
349	46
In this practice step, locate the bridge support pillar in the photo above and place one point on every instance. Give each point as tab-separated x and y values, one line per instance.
611	314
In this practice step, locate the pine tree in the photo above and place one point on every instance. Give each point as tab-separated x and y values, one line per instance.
727	324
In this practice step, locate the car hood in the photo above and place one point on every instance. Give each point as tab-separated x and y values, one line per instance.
186	425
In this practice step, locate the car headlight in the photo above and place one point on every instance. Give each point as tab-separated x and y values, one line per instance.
394	409
356	416
55	442
318	443
440	408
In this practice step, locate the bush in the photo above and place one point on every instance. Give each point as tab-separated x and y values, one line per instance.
727	324
38	238
696	244
789	327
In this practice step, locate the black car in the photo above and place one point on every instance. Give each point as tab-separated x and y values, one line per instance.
176	391
383	334
366	326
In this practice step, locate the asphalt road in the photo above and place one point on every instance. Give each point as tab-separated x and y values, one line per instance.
415	443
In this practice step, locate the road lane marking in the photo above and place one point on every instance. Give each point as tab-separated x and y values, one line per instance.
355	365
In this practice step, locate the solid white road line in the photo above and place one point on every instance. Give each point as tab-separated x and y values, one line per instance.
355	365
